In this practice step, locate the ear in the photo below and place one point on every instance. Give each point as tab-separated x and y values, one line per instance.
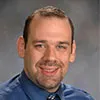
20	46
73	52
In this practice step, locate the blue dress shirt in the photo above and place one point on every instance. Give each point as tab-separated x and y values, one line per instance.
21	87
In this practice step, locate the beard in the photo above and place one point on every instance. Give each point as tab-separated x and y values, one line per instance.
48	83
52	82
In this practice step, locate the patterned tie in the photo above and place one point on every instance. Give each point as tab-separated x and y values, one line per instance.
53	97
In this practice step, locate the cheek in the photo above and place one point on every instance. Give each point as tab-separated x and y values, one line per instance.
31	58
36	56
64	58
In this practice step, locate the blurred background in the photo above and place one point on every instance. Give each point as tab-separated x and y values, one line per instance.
84	72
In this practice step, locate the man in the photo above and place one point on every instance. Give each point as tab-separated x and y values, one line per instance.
47	47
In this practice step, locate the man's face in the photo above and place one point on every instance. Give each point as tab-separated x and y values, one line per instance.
48	51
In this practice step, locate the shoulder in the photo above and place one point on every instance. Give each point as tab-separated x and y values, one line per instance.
10	89
74	92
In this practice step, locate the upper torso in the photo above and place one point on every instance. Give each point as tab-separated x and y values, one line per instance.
21	88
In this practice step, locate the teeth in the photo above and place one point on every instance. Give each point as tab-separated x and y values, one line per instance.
49	70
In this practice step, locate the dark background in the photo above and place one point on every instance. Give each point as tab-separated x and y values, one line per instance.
84	73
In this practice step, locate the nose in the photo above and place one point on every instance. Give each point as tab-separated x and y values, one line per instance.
50	54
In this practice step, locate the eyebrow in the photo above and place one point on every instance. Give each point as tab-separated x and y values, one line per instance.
37	41
45	41
64	42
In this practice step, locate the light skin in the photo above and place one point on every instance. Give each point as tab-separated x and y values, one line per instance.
48	51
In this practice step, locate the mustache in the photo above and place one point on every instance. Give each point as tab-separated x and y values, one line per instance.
50	63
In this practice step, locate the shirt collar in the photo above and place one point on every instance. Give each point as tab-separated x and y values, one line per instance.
34	92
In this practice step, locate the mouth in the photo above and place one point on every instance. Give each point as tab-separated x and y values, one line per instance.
49	71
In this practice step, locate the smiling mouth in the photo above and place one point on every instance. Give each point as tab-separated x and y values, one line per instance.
49	71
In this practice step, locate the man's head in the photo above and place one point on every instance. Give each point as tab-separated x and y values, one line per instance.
47	47
46	12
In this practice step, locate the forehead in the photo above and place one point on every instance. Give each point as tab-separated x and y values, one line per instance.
50	28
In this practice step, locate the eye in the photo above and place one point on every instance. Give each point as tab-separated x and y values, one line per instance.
61	47
39	46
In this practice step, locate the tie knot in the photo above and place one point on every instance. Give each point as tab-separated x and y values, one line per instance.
53	97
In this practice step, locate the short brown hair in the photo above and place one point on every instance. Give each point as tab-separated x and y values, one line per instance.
48	11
